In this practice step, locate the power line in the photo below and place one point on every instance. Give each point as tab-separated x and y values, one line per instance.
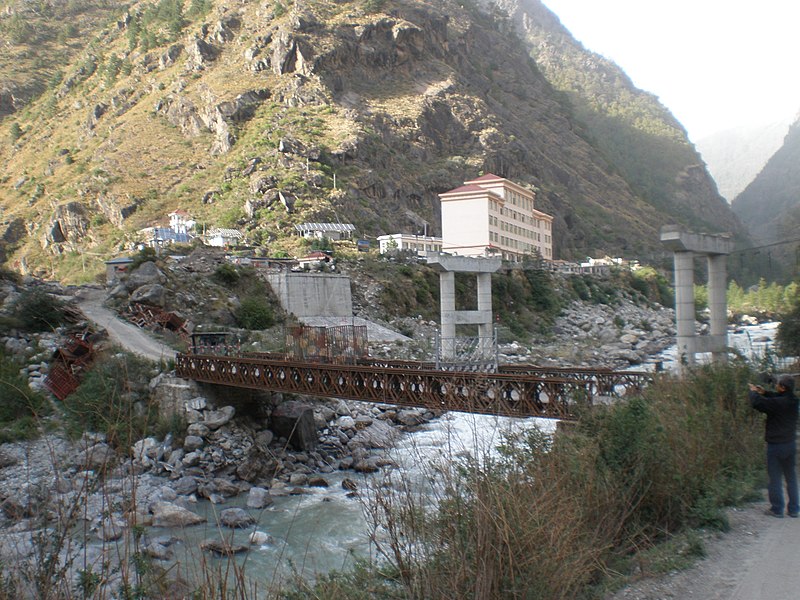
782	242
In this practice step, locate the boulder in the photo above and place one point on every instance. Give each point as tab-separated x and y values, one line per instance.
214	419
222	547
192	443
236	518
367	465
167	514
96	457
379	434
298	478
185	485
250	467
198	429
226	487
144	274
259	538
258	498
152	294
158	551
294	421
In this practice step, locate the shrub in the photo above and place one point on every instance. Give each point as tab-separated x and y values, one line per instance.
107	400
226	274
254	313
20	407
551	516
36	310
15	132
146	254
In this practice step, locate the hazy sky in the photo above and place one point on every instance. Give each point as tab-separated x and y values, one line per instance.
716	64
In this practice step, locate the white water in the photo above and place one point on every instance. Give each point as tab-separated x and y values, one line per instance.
324	529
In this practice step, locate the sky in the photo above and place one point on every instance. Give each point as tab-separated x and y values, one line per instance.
715	64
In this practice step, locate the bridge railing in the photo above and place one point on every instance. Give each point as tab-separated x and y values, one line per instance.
514	394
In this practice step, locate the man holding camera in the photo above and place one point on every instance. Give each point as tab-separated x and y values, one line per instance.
781	408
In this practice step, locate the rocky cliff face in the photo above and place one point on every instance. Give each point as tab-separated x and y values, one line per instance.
258	116
770	202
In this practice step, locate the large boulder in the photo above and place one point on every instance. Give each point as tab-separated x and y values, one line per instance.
378	434
258	498
236	518
167	514
294	421
152	294
97	457
222	547
214	419
147	273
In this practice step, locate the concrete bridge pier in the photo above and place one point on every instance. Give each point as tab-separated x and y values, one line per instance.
448	265
715	248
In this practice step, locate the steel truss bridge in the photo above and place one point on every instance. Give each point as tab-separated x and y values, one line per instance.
513	391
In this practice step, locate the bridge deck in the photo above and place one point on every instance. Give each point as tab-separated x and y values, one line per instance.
516	391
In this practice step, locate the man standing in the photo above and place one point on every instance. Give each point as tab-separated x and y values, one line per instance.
781	408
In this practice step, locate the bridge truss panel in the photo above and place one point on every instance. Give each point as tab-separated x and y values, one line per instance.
514	394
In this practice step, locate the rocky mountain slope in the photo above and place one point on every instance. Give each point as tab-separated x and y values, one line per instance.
770	202
736	156
262	115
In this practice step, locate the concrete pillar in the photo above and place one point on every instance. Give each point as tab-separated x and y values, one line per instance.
684	306
482	268
447	308
718	305
715	248
486	328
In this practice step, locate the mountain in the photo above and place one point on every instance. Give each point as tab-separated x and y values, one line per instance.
263	115
770	204
735	156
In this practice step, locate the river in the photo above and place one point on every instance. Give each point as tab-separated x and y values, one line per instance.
326	528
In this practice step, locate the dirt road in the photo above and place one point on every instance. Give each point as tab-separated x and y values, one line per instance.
125	334
755	560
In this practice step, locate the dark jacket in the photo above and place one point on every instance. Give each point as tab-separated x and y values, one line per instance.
781	410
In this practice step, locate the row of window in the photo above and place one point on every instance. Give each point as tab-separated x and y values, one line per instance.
519	200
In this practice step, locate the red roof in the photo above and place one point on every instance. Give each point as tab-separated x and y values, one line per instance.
487	177
466	188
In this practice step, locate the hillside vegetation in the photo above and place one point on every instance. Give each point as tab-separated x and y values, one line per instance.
263	115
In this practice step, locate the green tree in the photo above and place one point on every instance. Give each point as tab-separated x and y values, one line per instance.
199	8
254	313
788	337
735	296
15	132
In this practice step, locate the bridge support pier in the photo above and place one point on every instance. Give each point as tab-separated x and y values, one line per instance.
715	248
483	268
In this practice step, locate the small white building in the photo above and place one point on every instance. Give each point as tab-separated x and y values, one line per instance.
222	238
421	244
181	221
491	216
332	231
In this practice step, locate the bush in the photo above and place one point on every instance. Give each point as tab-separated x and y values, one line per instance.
226	274
146	254
107	401
36	310
254	313
552	515
20	407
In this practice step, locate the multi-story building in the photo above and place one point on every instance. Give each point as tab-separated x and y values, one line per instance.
491	215
421	244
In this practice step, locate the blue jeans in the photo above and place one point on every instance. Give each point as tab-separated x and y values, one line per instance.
780	467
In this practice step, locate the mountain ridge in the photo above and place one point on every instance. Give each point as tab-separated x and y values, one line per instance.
259	116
